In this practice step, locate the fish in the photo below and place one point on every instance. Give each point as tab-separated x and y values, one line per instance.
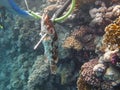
13	8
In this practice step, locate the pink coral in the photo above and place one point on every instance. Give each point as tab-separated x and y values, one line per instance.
87	73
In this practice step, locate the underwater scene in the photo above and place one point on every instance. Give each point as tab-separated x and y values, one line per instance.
59	44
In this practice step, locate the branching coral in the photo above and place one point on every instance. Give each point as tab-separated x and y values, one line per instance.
111	37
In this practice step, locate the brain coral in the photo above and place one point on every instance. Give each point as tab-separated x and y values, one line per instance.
111	37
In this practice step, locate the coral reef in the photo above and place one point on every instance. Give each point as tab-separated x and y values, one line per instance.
98	75
88	52
81	38
112	33
102	14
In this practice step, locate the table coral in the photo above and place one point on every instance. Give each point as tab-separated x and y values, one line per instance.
111	37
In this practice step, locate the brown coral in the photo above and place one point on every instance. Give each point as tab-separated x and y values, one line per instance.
82	85
87	73
71	42
86	36
82	37
111	37
81	32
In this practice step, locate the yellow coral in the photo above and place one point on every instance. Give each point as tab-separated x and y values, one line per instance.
112	27
71	42
111	37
